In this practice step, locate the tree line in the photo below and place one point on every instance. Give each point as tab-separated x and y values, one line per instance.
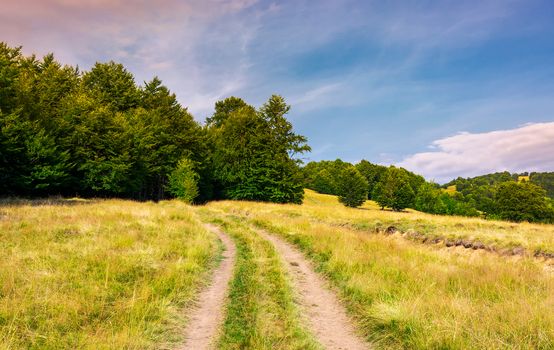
97	133
495	196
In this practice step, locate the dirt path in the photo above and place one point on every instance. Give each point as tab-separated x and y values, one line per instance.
205	321
324	314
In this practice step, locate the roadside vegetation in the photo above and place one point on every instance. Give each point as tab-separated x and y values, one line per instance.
409	295
261	313
107	274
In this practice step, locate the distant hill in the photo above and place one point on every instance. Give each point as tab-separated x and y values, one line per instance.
465	185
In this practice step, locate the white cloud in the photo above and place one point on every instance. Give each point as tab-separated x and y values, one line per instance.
527	148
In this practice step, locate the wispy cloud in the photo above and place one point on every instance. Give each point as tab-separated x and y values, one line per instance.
371	77
527	148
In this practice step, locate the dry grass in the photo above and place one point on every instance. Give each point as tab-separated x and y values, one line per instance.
98	274
409	295
325	208
119	274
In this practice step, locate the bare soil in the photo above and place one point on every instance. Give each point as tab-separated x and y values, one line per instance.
206	319
325	317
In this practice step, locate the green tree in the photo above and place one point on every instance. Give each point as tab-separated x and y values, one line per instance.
522	202
428	199
323	182
223	110
183	181
112	85
323	176
254	154
372	173
352	187
394	190
403	196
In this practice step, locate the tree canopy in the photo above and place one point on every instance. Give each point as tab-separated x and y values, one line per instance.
98	133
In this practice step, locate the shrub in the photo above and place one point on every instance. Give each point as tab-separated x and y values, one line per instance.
183	181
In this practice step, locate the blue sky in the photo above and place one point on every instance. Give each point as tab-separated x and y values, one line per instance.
386	81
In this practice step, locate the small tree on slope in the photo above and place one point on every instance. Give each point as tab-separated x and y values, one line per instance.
352	187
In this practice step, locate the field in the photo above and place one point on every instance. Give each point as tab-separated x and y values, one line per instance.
98	275
122	274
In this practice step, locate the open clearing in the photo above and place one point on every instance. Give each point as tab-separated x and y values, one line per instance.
115	274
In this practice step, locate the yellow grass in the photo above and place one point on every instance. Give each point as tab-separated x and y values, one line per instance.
450	189
107	274
325	208
409	295
115	274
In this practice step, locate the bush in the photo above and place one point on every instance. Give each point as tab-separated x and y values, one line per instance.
183	181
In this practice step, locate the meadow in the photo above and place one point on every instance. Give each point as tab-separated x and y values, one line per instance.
107	274
123	274
404	294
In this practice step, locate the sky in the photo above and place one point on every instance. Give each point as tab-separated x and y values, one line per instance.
442	88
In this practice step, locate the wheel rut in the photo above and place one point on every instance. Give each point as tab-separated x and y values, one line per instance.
320	308
208	315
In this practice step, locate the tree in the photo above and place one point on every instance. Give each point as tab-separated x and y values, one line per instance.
522	202
223	110
403	196
379	195
254	154
323	176
545	180
352	187
428	199
183	181
111	84
323	182
394	190
372	173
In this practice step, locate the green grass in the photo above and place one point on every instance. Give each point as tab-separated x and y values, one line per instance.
408	295
98	274
260	312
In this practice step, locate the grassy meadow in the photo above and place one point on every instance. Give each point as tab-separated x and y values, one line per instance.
114	274
405	294
107	274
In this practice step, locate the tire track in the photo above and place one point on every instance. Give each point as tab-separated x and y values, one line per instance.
319	306
206	319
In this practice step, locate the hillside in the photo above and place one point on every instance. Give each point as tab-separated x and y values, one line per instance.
542	179
122	274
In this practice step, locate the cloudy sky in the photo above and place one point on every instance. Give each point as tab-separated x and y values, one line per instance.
443	88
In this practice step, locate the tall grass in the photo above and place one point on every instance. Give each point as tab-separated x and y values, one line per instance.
499	234
408	295
98	274
260	313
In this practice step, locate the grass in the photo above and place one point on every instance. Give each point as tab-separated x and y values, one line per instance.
116	274
408	295
106	274
499	234
260	313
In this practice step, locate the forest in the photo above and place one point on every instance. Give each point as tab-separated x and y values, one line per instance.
98	133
